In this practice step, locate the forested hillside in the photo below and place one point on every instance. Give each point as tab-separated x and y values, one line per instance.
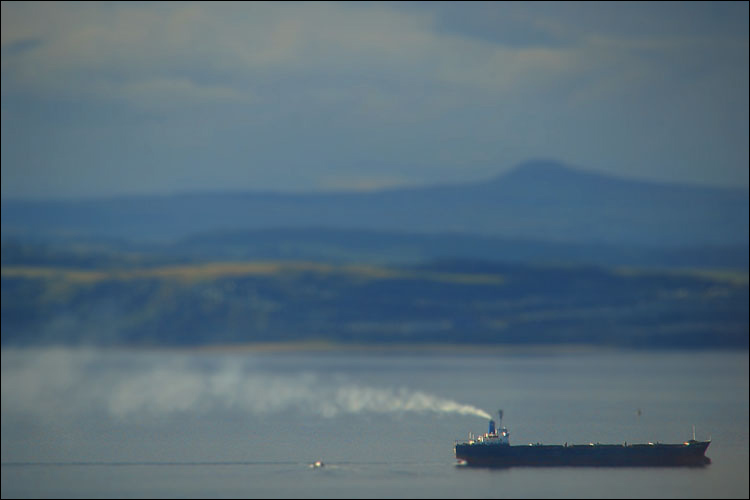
444	302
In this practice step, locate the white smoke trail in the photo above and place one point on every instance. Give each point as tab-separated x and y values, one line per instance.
354	399
57	382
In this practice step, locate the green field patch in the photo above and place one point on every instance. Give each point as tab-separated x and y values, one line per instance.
217	270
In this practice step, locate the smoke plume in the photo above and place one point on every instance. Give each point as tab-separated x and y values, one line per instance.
52	383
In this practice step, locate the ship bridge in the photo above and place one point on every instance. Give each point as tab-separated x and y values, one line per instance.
493	436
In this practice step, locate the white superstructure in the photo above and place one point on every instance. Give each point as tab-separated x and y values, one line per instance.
494	436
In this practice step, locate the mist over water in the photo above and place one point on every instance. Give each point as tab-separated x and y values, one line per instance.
51	383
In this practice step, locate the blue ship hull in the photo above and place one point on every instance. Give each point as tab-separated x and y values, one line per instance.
691	453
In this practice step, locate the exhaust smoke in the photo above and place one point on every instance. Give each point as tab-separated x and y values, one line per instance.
53	383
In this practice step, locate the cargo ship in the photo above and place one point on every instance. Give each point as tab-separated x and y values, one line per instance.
493	449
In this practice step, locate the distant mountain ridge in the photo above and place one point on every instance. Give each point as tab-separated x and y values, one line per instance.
540	200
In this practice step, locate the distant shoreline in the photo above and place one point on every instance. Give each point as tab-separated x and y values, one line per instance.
415	349
324	347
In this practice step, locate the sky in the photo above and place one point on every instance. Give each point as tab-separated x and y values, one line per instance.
102	99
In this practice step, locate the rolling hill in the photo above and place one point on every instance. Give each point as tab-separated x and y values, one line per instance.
542	201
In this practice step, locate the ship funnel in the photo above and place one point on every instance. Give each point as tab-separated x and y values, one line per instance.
492	427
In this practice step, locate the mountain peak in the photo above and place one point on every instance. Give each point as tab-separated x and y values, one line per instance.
542	166
543	169
546	173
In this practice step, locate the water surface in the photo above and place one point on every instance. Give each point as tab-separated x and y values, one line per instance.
86	423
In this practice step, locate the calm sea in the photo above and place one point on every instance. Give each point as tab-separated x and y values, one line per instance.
89	423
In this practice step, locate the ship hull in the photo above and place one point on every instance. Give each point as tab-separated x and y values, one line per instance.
637	455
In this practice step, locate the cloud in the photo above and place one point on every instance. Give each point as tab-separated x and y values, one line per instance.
129	49
168	94
290	95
